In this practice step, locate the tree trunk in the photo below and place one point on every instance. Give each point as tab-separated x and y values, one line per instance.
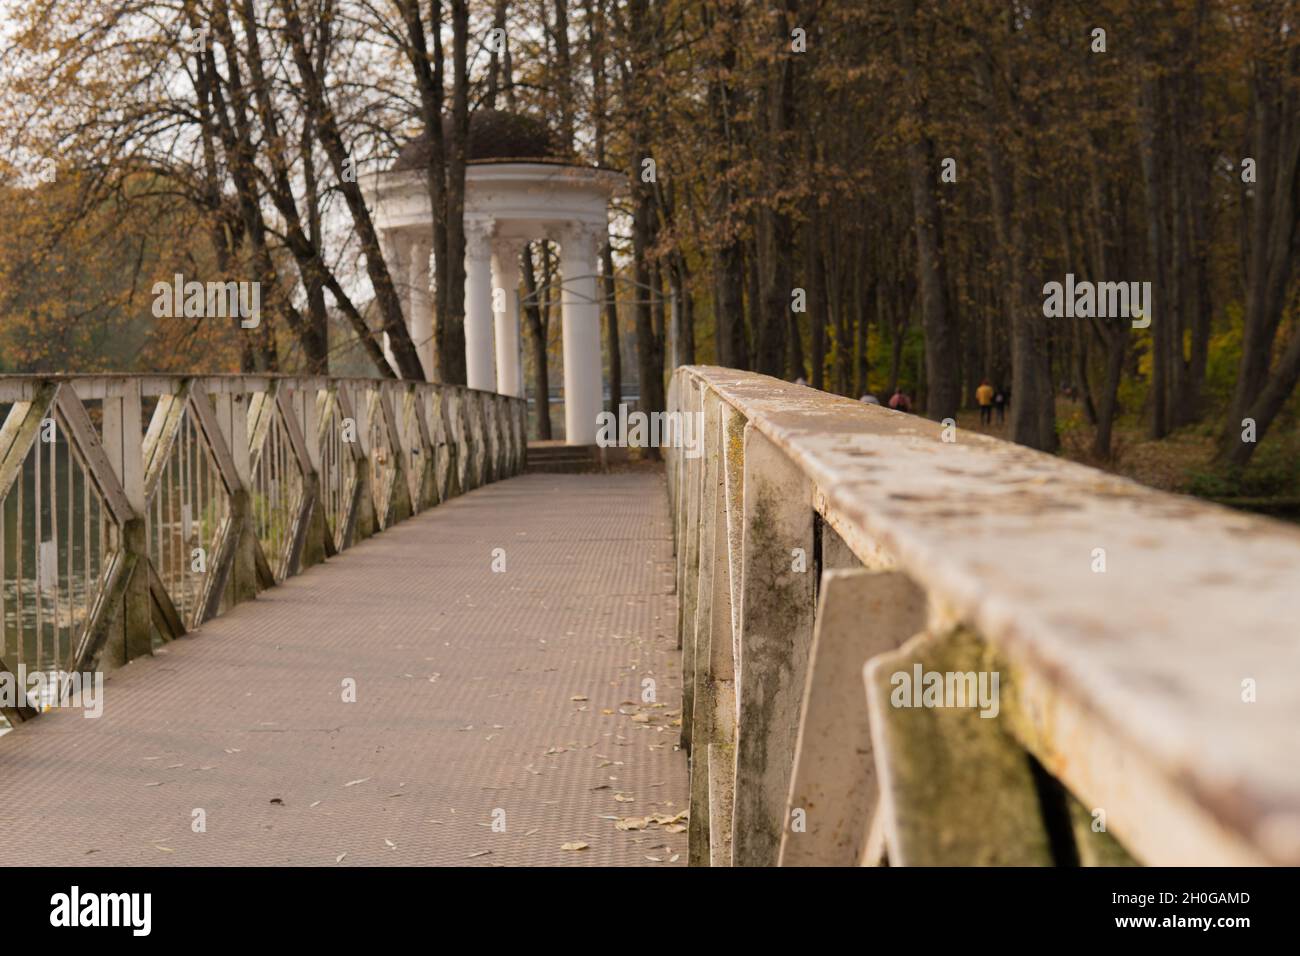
386	299
595	10
537	336
943	397
451	332
1271	238
1032	412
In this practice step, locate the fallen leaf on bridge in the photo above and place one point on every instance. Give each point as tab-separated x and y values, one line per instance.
573	846
353	783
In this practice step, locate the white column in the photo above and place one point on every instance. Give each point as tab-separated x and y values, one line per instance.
479	370
419	316
397	256
581	319
505	301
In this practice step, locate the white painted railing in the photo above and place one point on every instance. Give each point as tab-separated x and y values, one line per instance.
829	553
133	508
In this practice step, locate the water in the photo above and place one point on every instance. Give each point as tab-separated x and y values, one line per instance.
44	631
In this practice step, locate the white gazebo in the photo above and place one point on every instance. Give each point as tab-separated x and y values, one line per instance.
516	190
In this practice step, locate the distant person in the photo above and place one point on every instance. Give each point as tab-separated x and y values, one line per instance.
899	401
1001	399
984	397
869	399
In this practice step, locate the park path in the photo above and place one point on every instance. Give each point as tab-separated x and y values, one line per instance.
483	697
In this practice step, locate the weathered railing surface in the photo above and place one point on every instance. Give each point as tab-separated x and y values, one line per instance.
1147	648
133	508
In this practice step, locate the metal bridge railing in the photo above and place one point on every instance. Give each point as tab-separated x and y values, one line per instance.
133	508
909	644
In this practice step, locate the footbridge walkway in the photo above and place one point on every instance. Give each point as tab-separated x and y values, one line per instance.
492	680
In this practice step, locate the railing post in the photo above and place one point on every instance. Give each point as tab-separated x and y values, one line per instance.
714	696
688	564
776	624
130	637
390	397
477	441
491	439
452	399
357	405
724	649
697	705
232	419
318	533
303	428
955	788
426	485
439	458
860	614
517	409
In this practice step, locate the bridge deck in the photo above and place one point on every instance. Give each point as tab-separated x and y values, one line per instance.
475	692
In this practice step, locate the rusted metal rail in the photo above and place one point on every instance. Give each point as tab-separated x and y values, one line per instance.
833	556
133	508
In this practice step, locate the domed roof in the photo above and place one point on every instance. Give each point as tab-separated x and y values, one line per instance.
493	134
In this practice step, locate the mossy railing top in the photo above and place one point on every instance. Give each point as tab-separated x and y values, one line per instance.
1147	645
134	507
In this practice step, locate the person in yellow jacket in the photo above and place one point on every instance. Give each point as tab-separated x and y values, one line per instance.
984	396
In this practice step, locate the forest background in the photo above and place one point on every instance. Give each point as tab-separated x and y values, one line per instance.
870	196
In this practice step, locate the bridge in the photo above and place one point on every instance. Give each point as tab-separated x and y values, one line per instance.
341	623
